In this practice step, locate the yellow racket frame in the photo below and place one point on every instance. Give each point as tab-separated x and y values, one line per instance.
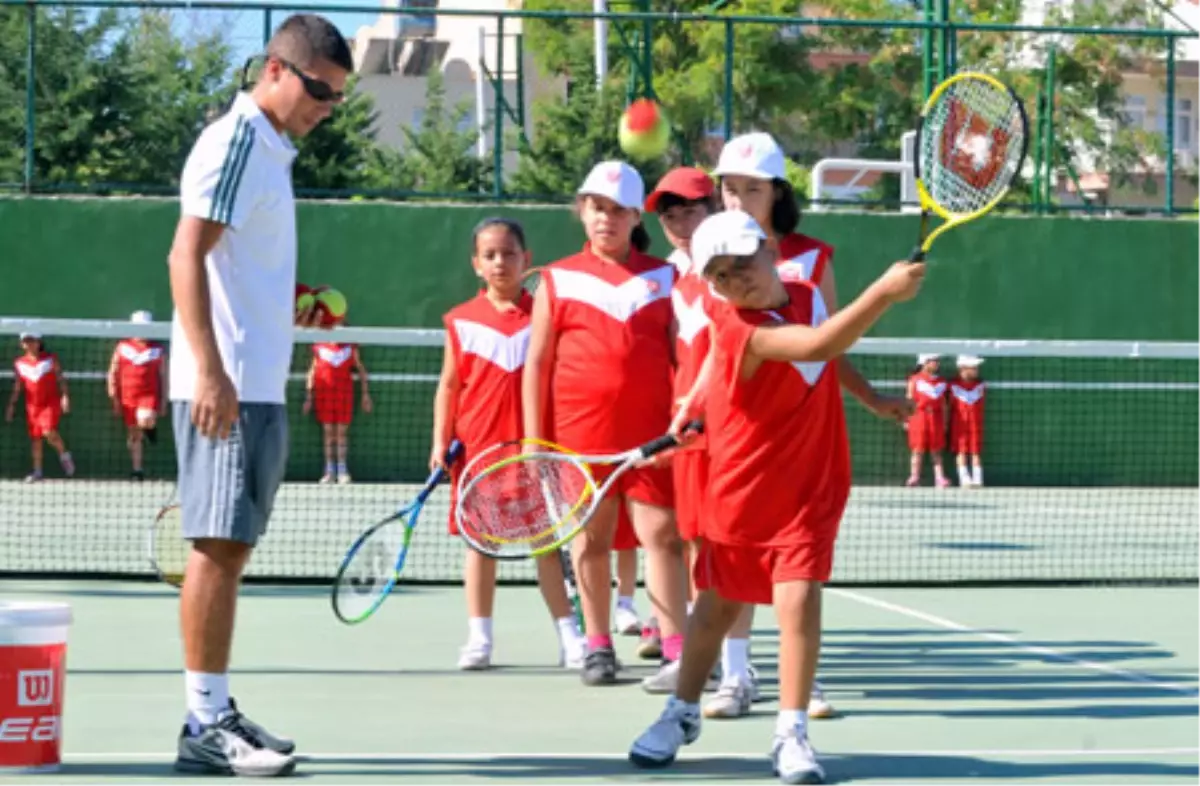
928	203
589	492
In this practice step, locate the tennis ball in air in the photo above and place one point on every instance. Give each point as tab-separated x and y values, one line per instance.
331	306
645	131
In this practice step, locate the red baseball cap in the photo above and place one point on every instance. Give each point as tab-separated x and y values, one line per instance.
685	181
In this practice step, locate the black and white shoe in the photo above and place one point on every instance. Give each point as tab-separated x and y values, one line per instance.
231	746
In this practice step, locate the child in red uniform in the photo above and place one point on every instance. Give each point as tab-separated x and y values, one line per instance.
683	198
330	383
600	359
41	379
137	386
478	402
966	420
927	426
779	473
753	177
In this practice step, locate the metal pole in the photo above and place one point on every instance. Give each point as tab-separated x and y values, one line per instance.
728	97
927	63
266	27
600	29
30	94
1038	136
1170	126
1051	145
498	114
647	58
481	74
520	80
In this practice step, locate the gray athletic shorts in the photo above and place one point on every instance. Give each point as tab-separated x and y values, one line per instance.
227	487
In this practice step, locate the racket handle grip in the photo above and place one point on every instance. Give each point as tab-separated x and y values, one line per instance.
667	441
918	255
453	453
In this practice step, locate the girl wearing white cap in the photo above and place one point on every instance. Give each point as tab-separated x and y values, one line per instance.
137	386
753	177
966	420
927	426
601	332
40	378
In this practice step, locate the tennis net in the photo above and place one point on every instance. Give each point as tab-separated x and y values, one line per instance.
1090	456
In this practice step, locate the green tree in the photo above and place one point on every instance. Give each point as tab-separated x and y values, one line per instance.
440	156
342	153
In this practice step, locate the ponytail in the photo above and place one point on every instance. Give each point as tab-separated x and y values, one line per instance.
640	238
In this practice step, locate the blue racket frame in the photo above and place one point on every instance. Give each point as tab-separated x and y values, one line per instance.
409	513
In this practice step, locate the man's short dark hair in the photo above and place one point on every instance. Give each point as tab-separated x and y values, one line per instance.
303	39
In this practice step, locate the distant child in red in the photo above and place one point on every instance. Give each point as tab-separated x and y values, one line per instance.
600	358
478	402
137	386
966	420
40	378
779	473
330	385
927	426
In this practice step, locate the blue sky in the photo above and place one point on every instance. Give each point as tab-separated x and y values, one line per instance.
246	27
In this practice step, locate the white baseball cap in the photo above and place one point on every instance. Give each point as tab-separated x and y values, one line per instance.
968	361
925	357
753	155
29	334
617	181
141	317
731	233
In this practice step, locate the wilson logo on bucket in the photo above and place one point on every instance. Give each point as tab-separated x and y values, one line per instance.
35	688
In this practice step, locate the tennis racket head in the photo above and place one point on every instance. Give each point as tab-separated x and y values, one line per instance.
372	566
970	146
526	504
531	280
168	550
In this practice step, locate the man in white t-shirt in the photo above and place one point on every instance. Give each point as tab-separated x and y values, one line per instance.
233	276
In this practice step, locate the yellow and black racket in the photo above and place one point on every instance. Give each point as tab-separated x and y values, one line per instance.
970	145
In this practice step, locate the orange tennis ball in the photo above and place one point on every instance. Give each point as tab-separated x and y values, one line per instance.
644	132
331	306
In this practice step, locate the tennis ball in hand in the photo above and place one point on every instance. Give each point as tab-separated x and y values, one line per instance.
304	298
331	306
645	131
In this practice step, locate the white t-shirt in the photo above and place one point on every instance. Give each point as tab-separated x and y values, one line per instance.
239	173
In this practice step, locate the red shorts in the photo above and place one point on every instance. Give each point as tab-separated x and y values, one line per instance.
967	439
334	406
750	573
129	409
625	539
690	470
649	485
927	431
41	422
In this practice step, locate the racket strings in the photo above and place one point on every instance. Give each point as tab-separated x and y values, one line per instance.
525	504
972	145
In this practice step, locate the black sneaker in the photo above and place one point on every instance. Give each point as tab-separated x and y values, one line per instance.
600	667
137	475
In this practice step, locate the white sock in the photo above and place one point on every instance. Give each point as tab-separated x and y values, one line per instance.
964	475
341	468
625	602
330	468
735	659
978	474
690	606
479	630
568	630
207	697
792	719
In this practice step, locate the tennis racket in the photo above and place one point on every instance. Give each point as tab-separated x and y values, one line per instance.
531	279
373	564
531	503
167	549
970	144
506	450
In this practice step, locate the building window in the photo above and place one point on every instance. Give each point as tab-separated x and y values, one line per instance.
1134	112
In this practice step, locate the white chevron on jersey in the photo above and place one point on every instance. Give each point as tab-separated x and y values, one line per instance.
620	301
692	318
931	391
335	357
799	268
967	396
35	371
506	351
140	358
811	370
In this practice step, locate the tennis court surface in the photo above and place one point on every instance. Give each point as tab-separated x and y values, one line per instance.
1042	628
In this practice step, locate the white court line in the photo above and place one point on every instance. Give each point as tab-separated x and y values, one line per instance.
435	758
1045	652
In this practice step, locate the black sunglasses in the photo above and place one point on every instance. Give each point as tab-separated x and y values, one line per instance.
317	89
